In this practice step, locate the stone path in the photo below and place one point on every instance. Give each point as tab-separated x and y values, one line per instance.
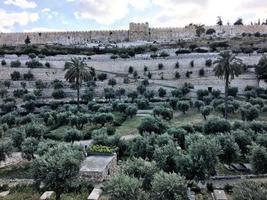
14	159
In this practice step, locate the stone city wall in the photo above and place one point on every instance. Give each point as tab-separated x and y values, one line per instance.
136	32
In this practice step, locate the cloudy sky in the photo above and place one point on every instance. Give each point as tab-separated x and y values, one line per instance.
60	15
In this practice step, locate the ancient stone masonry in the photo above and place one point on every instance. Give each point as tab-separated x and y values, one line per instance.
136	32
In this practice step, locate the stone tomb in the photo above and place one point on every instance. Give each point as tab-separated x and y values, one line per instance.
97	168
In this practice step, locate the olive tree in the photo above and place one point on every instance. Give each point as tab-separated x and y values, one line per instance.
175	183
57	167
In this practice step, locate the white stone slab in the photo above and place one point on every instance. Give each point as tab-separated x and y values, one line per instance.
95	194
47	195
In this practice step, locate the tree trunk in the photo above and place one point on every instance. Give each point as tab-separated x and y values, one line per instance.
226	97
58	196
78	97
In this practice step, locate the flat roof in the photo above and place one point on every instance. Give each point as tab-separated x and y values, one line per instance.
220	195
96	163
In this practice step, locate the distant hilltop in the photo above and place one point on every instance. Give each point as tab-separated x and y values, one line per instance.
136	32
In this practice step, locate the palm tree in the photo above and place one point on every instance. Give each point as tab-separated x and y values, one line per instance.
227	66
77	72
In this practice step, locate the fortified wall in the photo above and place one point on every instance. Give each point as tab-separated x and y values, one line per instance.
136	32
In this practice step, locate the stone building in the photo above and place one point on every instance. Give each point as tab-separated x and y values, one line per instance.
97	168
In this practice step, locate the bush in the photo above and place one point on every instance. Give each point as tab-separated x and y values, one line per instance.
192	63
208	63
252	189
153	56
202	93
47	64
142	104
32	55
130	70
100	149
205	111
182	51
112	82
58	94
198	104
216	93
201	72
124	55
121	187
15	76
57	84
28	76
151	125
9	119
177	75
233	91
113	57
102	76
3	63
183	106
177	65
34	130
162	92
15	64
175	183
131	111
165	112
164	54
252	113
34	64
188	74
216	125
39	84
160	66
210	31
73	135
19	93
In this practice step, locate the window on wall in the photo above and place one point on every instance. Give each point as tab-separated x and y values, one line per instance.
110	33
40	34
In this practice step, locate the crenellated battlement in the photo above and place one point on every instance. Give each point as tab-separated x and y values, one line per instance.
136	32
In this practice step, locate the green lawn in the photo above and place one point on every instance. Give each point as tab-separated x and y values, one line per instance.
129	127
59	133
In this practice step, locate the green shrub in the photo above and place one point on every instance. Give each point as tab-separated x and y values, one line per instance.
183	106
58	94
32	55
142	103
47	64
164	54
216	125
99	149
208	63
233	91
15	64
201	72
160	66
3	63
177	75
34	64
15	76
28	76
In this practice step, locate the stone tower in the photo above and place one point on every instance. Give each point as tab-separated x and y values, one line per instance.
139	32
